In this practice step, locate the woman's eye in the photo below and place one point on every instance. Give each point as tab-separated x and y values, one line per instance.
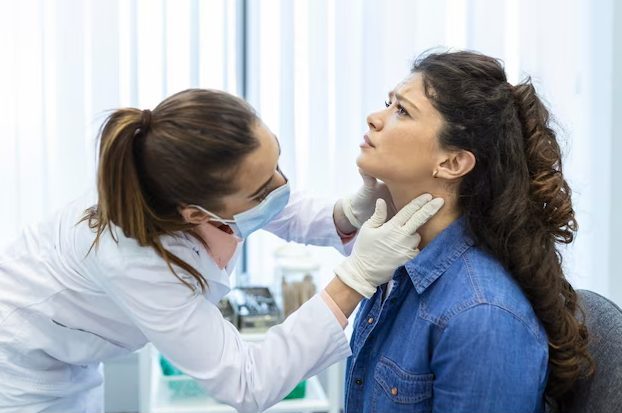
399	108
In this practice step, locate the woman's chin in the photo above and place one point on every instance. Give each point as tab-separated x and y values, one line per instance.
364	165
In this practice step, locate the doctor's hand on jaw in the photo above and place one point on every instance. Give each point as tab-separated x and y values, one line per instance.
352	211
381	247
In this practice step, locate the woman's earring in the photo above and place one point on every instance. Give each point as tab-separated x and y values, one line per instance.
435	173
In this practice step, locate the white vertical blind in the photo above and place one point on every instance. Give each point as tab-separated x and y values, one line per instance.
66	63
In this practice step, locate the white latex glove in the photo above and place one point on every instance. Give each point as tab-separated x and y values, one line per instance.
360	206
382	246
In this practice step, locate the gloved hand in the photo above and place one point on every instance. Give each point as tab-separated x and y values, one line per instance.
382	246
360	206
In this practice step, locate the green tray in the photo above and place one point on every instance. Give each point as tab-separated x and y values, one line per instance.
299	391
183	389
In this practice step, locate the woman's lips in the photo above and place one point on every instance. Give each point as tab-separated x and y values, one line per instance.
366	143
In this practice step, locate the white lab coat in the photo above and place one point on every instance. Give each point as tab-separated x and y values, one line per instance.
63	311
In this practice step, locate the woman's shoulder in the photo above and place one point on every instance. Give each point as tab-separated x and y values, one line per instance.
478	279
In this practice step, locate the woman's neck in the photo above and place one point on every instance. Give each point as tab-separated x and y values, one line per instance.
403	194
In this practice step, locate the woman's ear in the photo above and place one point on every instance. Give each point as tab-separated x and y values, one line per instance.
192	215
455	165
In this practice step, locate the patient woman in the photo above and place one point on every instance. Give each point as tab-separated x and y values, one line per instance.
483	319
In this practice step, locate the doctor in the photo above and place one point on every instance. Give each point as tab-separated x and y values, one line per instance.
148	258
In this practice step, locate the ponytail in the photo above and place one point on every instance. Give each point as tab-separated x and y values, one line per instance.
548	188
551	206
122	200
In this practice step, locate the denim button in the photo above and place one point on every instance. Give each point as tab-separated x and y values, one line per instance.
358	381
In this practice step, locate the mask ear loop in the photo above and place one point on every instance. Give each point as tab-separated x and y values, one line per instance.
213	217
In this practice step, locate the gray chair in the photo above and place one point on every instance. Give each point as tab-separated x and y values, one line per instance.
602	393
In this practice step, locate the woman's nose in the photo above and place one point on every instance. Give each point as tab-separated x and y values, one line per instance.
374	121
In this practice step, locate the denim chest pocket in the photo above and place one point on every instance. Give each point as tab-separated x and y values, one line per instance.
397	390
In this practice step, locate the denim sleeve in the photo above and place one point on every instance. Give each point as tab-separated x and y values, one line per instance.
488	360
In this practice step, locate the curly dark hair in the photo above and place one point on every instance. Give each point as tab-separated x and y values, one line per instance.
515	201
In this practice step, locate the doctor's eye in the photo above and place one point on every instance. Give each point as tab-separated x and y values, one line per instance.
259	198
387	103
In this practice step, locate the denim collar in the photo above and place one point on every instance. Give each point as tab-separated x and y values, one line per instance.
439	255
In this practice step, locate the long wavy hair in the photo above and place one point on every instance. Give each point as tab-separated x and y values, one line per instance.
516	201
186	151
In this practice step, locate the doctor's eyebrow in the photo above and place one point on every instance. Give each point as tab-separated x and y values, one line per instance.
262	187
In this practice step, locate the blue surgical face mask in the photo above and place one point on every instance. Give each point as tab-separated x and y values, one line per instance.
249	221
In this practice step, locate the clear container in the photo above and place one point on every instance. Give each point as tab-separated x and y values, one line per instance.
295	270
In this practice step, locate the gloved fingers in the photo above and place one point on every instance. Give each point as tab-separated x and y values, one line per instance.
415	240
408	252
423	215
403	215
380	214
346	207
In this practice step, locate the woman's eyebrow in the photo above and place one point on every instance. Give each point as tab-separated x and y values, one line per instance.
401	98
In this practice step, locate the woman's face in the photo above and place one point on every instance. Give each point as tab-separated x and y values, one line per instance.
401	146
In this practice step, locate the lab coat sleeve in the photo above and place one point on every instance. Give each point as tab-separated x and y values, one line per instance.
191	332
308	220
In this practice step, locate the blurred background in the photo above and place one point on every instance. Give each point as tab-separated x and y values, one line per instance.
313	70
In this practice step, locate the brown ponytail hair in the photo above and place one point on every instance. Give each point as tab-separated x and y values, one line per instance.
516	201
150	163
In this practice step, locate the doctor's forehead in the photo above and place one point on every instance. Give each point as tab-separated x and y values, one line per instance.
259	165
267	137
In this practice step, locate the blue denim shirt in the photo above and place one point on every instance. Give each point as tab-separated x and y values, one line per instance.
455	334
